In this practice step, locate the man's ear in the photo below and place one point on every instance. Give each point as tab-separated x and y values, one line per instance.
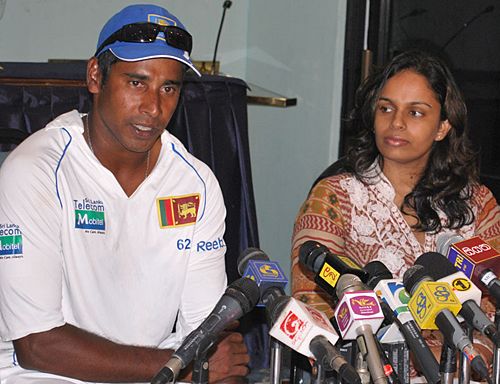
94	77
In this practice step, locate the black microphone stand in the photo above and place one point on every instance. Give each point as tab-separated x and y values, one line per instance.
200	364
465	369
318	373
448	363
496	352
200	370
274	297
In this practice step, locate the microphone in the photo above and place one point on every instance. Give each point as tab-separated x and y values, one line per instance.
358	313
309	332
475	258
227	4
296	324
332	360
393	300
238	299
254	264
492	283
434	306
441	269
327	266
394	303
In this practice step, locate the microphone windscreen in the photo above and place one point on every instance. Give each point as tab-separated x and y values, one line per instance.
247	255
310	255
436	265
349	283
413	276
276	307
445	240
376	271
245	291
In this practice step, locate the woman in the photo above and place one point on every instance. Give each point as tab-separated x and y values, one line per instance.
409	176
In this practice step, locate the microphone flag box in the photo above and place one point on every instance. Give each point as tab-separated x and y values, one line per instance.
474	255
266	274
429	299
327	278
463	287
358	308
299	323
393	292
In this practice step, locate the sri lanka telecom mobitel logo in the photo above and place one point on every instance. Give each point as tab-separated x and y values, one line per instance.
89	215
11	240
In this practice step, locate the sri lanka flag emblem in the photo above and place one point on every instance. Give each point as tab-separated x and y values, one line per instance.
175	211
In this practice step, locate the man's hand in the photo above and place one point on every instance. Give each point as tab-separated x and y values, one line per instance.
227	362
229	358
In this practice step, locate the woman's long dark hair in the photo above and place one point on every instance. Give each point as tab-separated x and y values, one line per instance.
451	169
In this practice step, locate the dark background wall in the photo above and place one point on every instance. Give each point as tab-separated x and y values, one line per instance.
466	33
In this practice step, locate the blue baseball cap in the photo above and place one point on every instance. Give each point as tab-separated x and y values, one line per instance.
136	51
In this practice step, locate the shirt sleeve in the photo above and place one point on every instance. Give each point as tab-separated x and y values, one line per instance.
488	217
488	228
30	255
206	277
320	219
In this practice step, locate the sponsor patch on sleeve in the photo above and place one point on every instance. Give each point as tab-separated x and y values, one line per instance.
11	241
176	211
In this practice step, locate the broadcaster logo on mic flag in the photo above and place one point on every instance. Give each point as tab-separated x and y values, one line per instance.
265	272
298	324
472	253
429	299
356	308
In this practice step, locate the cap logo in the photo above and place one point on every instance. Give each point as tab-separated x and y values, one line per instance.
161	20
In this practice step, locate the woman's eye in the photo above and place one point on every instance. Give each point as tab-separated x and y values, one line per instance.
416	113
385	108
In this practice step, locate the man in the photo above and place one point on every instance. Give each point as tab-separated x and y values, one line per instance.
101	217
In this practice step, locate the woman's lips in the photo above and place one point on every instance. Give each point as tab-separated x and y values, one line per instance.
395	141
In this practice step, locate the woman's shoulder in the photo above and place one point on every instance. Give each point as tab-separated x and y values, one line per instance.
482	195
334	181
325	194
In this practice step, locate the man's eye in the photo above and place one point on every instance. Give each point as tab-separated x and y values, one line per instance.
169	89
